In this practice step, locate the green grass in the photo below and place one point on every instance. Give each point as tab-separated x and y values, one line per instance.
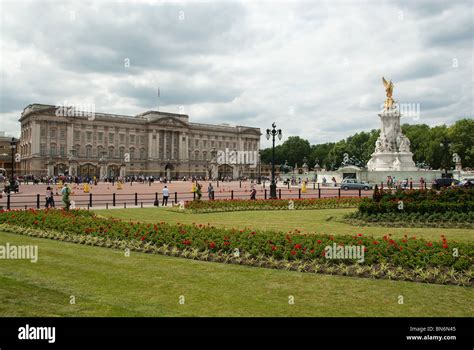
310	221
106	283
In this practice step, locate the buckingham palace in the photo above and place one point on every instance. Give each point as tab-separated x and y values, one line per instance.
57	140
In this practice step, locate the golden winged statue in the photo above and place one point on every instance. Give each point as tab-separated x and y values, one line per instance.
389	90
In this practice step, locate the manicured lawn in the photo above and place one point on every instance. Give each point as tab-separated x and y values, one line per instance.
106	283
310	221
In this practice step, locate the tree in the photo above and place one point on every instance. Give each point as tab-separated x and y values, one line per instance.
461	135
293	150
425	146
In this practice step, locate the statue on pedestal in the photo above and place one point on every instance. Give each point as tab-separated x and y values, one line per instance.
392	148
389	102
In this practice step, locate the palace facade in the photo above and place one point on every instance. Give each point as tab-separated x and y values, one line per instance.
62	140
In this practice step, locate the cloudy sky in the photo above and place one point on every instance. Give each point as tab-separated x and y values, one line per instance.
314	68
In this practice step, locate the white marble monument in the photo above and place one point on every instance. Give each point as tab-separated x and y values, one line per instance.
392	148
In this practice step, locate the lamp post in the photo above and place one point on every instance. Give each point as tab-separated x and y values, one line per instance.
13	148
273	132
445	143
259	177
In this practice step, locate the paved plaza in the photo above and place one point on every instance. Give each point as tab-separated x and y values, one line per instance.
138	194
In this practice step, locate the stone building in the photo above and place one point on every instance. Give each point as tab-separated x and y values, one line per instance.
63	140
6	153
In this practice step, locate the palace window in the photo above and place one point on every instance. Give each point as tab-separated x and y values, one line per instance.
100	136
89	136
43	149
111	138
132	138
77	135
53	150
62	151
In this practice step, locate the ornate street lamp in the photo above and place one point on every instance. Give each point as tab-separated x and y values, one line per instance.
13	148
273	132
445	143
259	177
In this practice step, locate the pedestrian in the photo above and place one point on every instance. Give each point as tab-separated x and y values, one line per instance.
66	191
49	196
166	194
210	191
199	191
253	194
422	183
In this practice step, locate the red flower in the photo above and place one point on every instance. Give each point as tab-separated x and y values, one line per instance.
226	243
212	245
360	235
143	238
445	246
186	242
297	246
36	222
274	248
319	241
429	244
293	252
375	242
311	251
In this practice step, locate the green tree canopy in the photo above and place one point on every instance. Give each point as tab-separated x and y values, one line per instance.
425	145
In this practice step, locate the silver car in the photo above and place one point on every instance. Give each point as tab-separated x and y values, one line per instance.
353	184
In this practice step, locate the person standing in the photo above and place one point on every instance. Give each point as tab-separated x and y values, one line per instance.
166	194
210	191
49	196
66	191
422	183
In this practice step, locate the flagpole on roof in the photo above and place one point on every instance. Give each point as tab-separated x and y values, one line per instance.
158	108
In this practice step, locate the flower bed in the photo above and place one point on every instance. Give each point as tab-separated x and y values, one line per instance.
448	219
451	207
271	204
256	245
458	199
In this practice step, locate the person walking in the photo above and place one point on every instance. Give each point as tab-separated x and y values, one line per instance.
253	194
166	194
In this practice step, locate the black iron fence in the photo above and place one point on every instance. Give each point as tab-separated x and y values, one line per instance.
111	200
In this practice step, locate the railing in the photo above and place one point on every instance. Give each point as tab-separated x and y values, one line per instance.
111	200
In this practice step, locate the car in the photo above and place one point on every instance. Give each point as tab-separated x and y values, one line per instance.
466	182
354	184
444	183
12	188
